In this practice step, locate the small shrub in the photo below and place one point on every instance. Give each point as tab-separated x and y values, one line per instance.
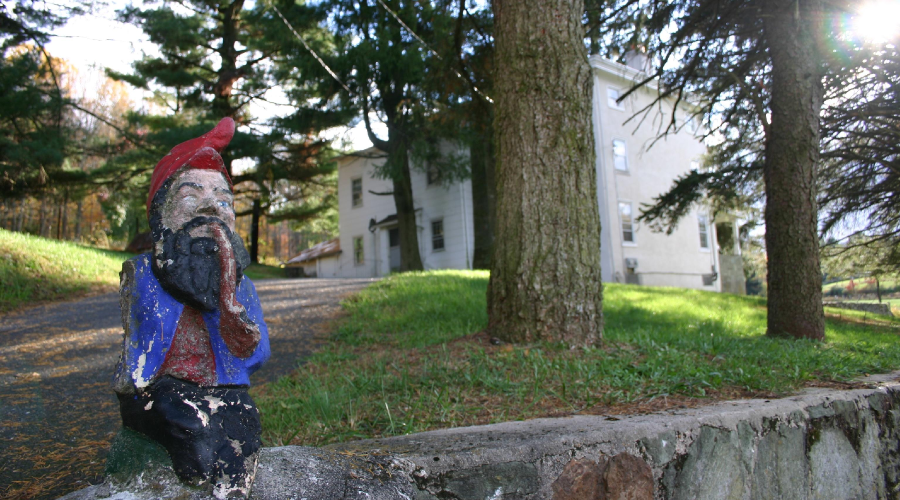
836	291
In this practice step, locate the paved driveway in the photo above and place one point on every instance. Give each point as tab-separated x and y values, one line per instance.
57	410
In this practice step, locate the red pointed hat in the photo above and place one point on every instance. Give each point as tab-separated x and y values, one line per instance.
202	153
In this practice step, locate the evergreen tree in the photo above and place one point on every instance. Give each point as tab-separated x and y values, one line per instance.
34	129
213	63
858	181
545	270
860	177
383	69
464	85
755	69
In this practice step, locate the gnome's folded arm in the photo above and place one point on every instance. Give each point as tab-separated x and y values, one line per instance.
151	317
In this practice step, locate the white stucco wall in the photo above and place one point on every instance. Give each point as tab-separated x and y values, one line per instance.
663	260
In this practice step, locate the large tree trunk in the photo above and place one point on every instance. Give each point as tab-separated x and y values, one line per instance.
484	200
44	222
410	258
79	213
64	223
228	73
792	155
545	271
254	231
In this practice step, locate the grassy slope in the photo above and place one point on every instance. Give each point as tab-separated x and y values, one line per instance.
395	367
37	269
262	272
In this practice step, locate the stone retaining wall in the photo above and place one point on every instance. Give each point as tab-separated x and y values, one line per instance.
822	444
863	306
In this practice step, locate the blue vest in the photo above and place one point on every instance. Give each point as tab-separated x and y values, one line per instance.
150	325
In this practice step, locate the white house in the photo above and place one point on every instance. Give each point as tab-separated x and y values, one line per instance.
631	170
629	173
320	260
369	242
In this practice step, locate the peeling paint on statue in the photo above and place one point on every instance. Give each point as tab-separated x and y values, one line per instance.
194	329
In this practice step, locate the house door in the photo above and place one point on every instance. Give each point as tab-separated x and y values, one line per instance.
394	238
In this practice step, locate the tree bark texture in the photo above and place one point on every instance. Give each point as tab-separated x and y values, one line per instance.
792	156
410	257
228	73
484	201
79	213
254	230
545	270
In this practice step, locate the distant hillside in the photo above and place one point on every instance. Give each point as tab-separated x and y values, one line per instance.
36	269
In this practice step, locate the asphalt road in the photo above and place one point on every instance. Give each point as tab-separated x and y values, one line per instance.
58	413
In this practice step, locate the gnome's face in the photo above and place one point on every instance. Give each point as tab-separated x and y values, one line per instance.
186	252
190	197
198	193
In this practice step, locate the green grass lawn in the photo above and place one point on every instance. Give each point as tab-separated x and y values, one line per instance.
263	272
38	269
41	269
407	358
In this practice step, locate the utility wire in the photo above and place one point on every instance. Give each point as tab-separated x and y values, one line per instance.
408	29
417	37
311	51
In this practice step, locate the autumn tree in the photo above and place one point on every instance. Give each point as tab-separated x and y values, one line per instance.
33	127
545	270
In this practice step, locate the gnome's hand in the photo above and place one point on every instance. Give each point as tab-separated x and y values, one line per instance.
240	334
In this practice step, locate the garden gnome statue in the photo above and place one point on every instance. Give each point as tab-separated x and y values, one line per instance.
194	329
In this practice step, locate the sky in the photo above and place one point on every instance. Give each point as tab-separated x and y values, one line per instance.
97	39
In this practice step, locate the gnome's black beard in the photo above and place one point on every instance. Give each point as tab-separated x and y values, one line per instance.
188	267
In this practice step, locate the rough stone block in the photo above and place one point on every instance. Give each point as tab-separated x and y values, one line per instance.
301	472
781	469
820	411
627	477
877	402
871	473
661	448
580	480
834	467
515	479
712	469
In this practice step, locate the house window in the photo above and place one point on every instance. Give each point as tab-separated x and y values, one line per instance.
433	175
359	255
612	96
620	158
703	224
627	221
437	235
356	189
